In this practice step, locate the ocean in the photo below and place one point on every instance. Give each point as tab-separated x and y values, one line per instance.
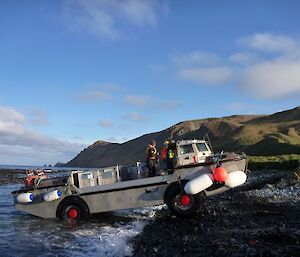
28	167
104	235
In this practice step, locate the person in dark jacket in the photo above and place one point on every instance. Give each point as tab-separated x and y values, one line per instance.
170	157
152	154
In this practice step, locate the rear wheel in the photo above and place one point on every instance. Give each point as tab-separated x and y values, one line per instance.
182	204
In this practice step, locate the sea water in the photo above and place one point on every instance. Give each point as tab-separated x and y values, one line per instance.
28	167
105	235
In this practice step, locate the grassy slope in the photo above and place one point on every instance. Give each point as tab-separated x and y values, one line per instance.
283	161
274	134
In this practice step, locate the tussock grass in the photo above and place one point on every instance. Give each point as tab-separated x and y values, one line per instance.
282	161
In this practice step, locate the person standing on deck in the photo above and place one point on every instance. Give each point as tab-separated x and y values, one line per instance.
152	154
170	157
163	154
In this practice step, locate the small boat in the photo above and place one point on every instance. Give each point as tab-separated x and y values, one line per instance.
198	174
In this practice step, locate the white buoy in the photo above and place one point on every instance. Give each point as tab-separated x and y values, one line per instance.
51	196
235	178
198	184
25	198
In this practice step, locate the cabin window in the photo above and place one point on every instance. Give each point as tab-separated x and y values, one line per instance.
86	176
107	174
184	149
202	147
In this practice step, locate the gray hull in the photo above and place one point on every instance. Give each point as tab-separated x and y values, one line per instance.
121	195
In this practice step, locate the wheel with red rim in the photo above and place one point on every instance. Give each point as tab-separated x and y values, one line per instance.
73	209
182	204
185	200
72	213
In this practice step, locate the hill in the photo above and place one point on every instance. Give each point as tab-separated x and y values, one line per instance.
278	133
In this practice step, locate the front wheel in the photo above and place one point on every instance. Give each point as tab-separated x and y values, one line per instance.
71	213
182	204
73	210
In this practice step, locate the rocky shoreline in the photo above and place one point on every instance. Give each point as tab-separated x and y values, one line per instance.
10	176
259	219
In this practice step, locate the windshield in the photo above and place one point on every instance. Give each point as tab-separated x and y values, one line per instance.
202	147
186	149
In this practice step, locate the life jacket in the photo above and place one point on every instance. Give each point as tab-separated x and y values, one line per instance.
171	151
171	154
151	152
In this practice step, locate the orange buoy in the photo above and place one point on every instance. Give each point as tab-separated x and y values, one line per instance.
220	174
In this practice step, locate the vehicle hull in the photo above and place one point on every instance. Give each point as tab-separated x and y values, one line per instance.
122	195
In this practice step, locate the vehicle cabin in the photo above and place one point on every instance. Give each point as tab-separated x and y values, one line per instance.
190	152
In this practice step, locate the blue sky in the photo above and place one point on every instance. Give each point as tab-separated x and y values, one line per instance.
76	71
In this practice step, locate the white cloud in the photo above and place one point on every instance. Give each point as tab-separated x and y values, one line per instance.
110	86
112	18
134	116
169	105
273	79
208	76
39	118
94	95
10	115
137	100
268	42
15	138
139	12
243	58
98	92
270	70
195	58
201	67
276	75
142	101
106	123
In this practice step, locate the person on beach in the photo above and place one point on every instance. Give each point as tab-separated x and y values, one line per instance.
152	154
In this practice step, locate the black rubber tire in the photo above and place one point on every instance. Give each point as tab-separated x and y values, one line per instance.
172	195
73	203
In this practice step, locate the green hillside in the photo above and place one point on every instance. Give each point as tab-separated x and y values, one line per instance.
259	135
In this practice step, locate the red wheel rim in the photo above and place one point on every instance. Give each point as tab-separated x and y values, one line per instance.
72	213
185	200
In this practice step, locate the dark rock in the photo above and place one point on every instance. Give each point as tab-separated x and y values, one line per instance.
221	252
246	225
11	176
